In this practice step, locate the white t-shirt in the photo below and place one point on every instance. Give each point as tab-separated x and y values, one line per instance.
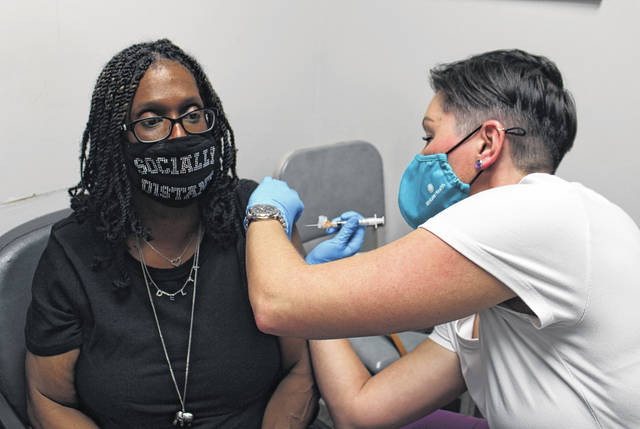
574	258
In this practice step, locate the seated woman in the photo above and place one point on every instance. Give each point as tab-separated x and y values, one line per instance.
140	315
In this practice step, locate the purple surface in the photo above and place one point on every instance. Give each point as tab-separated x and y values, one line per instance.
442	419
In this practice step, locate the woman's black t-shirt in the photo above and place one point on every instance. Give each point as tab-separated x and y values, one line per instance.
121	375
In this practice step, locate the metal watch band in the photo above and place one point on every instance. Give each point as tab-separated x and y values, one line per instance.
264	212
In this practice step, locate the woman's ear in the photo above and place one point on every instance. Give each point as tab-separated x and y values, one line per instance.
493	135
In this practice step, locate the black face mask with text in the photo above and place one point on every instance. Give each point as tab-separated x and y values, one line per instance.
174	172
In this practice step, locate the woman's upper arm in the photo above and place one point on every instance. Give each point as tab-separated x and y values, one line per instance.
51	395
54	317
52	377
292	351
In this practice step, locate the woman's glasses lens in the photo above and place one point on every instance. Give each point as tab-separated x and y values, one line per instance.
157	128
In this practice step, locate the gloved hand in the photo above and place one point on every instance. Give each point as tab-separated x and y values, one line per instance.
346	242
277	193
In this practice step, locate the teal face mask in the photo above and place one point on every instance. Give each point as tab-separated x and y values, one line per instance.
429	185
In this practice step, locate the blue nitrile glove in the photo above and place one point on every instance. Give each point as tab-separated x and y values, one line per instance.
277	193
346	242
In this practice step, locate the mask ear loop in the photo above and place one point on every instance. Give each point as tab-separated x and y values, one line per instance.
479	172
516	131
463	140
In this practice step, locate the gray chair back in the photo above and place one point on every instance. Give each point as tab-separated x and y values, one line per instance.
330	180
20	251
335	178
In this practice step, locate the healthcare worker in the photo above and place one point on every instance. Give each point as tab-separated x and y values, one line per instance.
530	281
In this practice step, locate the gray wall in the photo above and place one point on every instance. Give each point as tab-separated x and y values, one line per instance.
297	73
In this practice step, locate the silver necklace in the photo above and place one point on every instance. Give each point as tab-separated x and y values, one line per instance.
182	417
173	261
160	292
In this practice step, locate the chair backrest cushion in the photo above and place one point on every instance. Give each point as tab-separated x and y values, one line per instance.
20	251
334	178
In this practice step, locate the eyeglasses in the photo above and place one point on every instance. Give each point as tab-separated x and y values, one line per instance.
156	128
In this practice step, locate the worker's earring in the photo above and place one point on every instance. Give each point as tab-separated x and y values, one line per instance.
479	164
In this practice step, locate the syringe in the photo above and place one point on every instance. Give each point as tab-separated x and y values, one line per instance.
325	223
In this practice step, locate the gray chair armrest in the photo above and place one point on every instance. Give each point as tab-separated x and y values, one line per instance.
411	339
378	352
8	418
375	352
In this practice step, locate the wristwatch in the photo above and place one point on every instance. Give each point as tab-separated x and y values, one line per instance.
264	212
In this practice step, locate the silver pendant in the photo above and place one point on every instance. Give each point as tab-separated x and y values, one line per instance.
175	261
183	418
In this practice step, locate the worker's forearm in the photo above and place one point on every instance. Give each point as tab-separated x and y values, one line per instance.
272	272
340	376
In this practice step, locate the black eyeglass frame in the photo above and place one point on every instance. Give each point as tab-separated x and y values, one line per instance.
131	125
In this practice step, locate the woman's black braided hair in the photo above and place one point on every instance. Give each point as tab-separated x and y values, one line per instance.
105	194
